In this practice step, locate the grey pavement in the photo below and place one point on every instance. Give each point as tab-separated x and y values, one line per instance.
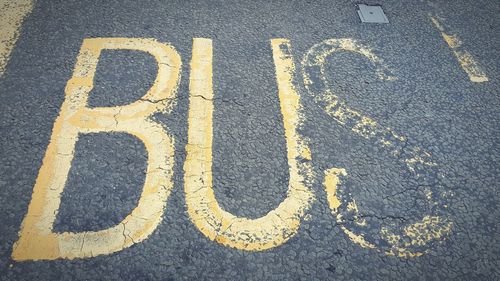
432	103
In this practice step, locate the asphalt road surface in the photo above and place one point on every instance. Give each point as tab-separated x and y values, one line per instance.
249	140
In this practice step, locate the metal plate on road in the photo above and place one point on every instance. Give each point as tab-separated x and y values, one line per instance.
372	14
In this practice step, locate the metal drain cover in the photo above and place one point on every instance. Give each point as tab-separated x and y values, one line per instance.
371	14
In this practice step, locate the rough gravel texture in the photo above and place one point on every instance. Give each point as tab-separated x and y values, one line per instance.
432	103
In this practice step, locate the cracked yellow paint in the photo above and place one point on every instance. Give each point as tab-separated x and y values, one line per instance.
332	180
358	123
280	224
357	238
420	233
363	126
430	228
419	157
414	158
36	237
466	60
12	14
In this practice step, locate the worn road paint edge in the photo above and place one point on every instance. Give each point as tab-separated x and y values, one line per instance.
278	225
12	14
416	160
37	240
470	65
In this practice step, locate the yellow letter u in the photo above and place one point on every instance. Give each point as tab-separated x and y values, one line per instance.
280	224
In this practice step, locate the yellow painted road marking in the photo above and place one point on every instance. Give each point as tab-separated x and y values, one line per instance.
413	238
38	241
466	60
12	14
418	234
36	237
280	224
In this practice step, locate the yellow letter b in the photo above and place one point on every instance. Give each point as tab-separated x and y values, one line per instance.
36	237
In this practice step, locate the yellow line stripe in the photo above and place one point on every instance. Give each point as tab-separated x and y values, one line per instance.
466	60
12	14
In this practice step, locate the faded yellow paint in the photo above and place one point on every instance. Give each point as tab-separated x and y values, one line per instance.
12	14
357	238
414	159
280	224
332	180
419	157
430	228
358	123
36	237
466	60
420	233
